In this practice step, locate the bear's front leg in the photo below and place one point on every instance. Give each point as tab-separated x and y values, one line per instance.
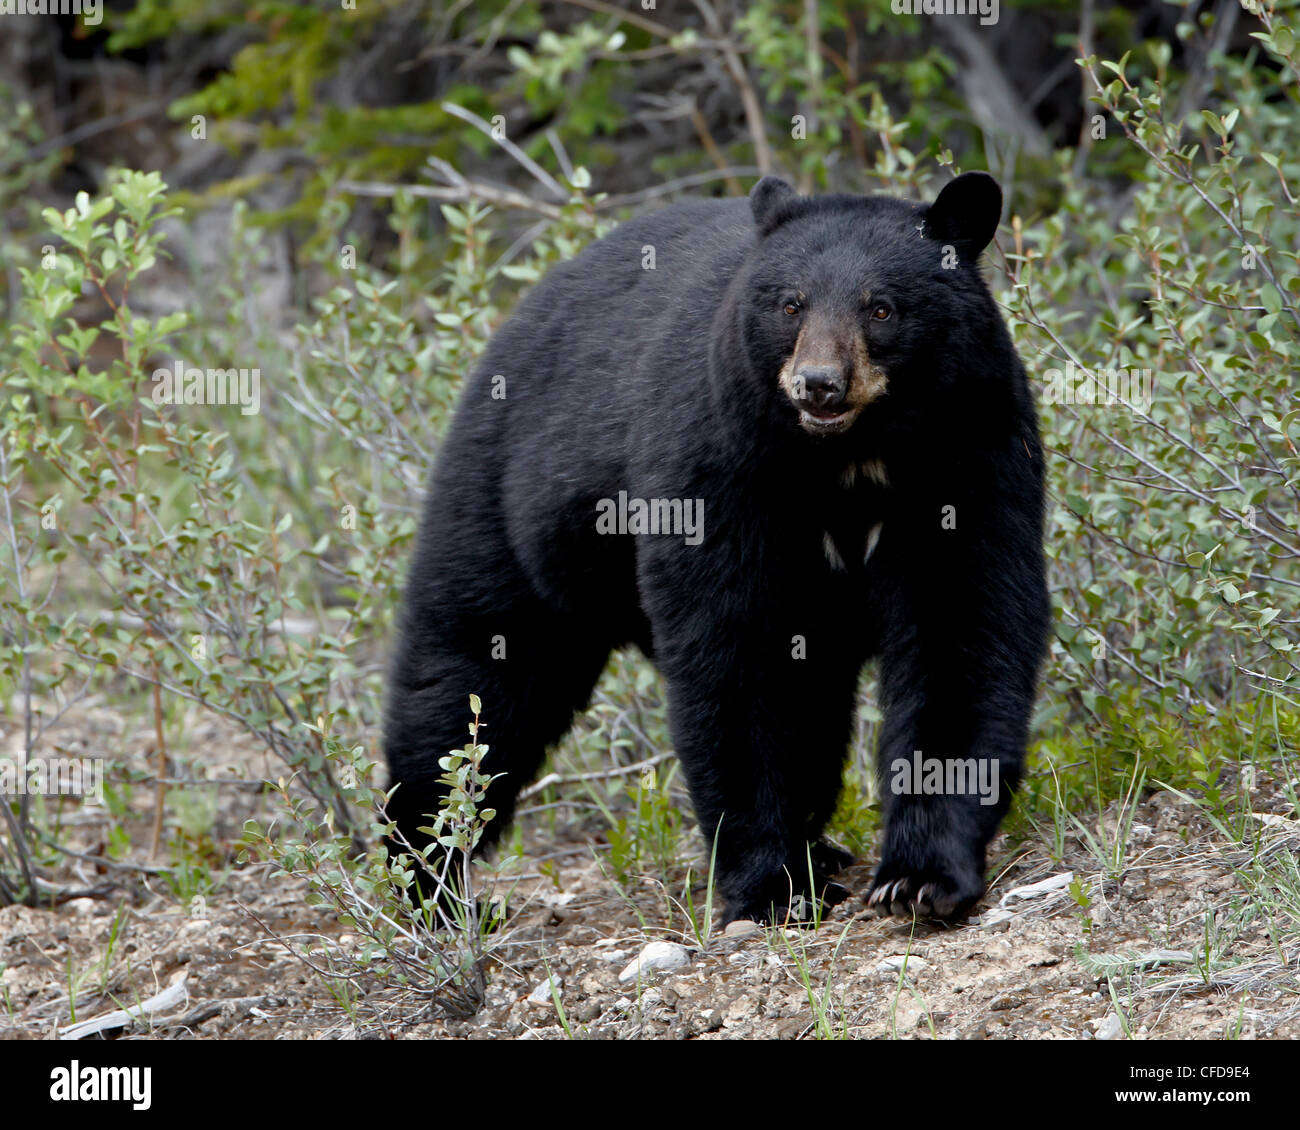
950	756
966	621
761	693
764	774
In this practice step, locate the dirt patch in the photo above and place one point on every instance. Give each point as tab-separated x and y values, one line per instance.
1034	963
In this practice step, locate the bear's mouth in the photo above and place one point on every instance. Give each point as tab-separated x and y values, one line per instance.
827	423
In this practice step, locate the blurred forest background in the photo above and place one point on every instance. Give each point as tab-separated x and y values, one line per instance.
349	198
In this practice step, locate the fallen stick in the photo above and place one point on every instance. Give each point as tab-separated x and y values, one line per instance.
124	1017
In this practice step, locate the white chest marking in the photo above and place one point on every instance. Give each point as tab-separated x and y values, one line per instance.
873	537
874	470
833	554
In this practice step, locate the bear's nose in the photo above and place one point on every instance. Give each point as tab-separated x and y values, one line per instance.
824	387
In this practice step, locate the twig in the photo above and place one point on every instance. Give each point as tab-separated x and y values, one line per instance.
544	178
740	76
160	787
124	1017
663	31
473	190
598	775
711	148
210	1009
692	181
812	49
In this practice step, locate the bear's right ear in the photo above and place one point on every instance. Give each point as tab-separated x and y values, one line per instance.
772	202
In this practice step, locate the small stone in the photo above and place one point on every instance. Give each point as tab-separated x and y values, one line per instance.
710	1020
996	921
894	965
741	928
555	900
1051	884
743	1008
1112	1028
542	993
657	957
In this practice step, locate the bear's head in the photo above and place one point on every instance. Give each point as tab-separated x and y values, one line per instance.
855	301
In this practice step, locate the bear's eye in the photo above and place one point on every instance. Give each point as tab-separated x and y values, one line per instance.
880	312
791	307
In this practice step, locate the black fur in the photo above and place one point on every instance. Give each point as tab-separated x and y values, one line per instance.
664	383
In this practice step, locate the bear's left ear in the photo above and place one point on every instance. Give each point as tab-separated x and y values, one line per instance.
773	202
966	212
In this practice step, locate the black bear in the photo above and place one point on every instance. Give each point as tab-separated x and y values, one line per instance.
764	441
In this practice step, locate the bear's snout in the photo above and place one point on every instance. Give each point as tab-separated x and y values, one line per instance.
824	388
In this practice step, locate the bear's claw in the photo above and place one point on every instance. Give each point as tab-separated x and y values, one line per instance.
910	896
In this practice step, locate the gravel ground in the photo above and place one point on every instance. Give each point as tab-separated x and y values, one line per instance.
1013	971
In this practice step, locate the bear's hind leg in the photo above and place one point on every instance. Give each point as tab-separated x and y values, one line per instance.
543	673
